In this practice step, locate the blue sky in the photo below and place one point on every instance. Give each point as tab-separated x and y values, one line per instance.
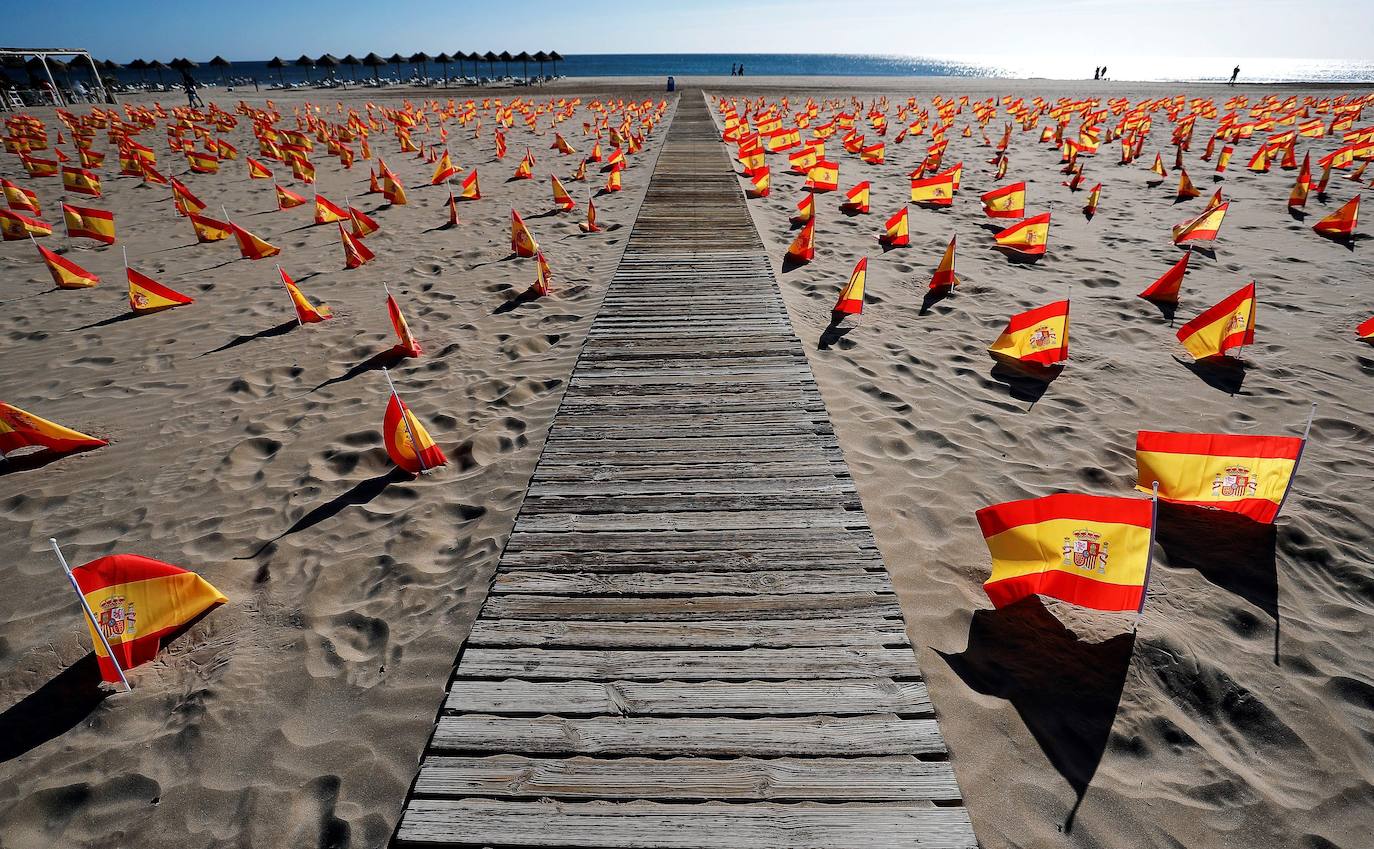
258	29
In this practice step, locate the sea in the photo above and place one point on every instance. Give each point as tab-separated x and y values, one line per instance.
1170	69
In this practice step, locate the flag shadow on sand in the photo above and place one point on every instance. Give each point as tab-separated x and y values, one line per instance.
52	710
1065	690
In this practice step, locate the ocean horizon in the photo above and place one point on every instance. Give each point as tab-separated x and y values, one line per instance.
1135	69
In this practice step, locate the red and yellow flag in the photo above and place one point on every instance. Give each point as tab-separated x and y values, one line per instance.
1006	202
83	222
80	181
407	346
250	246
1229	324
306	312
65	273
1203	228
561	198
590	225
363	224
1039	336
20	198
20	429
392	190
761	180
17	225
138	602
934	191
210	229
184	200
806	209
1249	475
287	198
327	212
1341	223
355	252
258	171
1186	189
1028	238
851	301
945	277
525	170
1088	550
1165	289
1297	198
38	167
444	171
856	199
803	247
521	242
824	176
543	276
897	233
1094	196
612	182
407	442
471	189
147	295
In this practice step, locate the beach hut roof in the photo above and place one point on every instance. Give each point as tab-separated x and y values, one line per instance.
328	60
185	63
541	56
110	65
137	65
443	59
420	57
474	56
372	60
218	62
489	57
305	62
276	63
350	59
396	58
159	65
523	57
505	56
554	57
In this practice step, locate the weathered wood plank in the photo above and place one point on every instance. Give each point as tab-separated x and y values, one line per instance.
671	522
820	557
852	579
738	779
801	606
854	629
780	664
840	487
691	540
807	736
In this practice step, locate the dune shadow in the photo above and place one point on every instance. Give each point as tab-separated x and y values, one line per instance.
53	709
106	322
1224	373
382	359
836	330
1024	381
514	303
1239	556
360	493
933	297
271	332
1065	690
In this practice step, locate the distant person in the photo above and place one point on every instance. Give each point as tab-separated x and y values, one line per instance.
1104	72
1097	73
741	69
732	69
192	99
1234	73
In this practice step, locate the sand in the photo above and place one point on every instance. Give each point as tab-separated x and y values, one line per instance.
249	449
1243	712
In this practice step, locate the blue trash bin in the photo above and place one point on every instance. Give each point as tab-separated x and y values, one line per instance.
672	84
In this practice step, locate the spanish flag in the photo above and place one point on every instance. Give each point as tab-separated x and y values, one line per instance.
1341	223
471	189
306	312
824	176
407	346
803	247
202	163
20	429
452	206
210	229
1297	198
851	300
897	233
1028	238
1186	189
1249	475
612	182
873	154
1229	324
363	224
327	212
1224	158
17	225
65	273
543	276
1203	228
1039	336
1158	166
407	442
444	170
287	198
250	246
1088	550
1006	202
1165	289
355	252
147	295
84	222
184	200
392	190
856	199
80	181
258	171
761	182
561	198
580	173
945	277
38	167
934	191
20	198
521	242
1366	331
590	225
525	170
138	603
1094	195
806	209
803	160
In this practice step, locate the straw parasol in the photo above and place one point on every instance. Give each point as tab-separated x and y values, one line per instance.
490	58
506	58
445	60
541	57
159	66
329	61
140	66
375	62
555	59
278	65
422	59
524	59
398	60
352	62
221	63
307	63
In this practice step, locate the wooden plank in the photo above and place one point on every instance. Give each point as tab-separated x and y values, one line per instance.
772	664
820	557
817	697
739	779
851	579
668	522
855	629
839	486
778	539
794	736
704	825
685	608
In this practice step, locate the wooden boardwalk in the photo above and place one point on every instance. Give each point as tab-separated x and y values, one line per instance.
691	640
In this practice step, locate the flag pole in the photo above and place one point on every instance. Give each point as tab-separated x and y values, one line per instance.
1149	558
299	323
90	614
405	419
1302	449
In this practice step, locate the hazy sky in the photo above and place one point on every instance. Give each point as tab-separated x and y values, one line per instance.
260	29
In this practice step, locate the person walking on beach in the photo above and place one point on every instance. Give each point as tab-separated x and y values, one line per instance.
1234	73
192	99
741	69
1097	73
732	69
1104	72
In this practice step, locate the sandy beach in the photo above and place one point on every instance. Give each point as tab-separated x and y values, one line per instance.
249	449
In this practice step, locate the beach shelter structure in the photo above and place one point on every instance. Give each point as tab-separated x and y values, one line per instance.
476	59
140	66
221	63
490	58
352	62
398	60
278	65
307	63
506	58
445	60
375	62
555	59
44	59
422	59
328	61
159	66
524	59
541	57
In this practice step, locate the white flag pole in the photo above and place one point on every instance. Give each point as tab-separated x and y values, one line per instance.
90	614
1301	450
405	420
1149	558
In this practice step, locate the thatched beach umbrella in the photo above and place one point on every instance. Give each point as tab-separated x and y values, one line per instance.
159	66
278	65
142	68
490	58
352	62
445	60
398	60
506	58
109	70
422	59
221	63
307	63
328	61
524	59
376	63
555	59
541	57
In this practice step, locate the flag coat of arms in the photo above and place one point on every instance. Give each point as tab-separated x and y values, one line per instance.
1028	238
147	295
1244	474
1092	551
1039	336
1006	202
